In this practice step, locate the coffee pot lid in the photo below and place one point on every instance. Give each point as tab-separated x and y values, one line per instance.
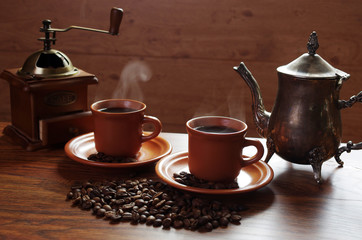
309	65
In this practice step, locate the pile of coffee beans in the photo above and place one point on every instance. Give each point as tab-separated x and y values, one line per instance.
101	157
190	180
153	203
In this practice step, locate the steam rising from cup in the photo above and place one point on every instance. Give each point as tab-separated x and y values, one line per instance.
226	102
134	73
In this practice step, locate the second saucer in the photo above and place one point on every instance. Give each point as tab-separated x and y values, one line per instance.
251	178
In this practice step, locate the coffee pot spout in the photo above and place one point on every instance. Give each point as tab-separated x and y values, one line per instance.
261	116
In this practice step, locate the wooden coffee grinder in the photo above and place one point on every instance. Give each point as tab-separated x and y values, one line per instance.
48	95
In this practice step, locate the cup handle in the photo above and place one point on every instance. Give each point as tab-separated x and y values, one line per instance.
156	123
260	152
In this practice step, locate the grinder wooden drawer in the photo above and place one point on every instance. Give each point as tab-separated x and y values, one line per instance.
63	128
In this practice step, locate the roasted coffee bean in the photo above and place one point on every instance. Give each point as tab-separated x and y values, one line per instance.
153	203
150	219
119	211
107	208
196	212
87	204
169	202
208	227
97	204
235	218
142	209
166	222
153	211
121	190
95	209
159	216
172	215
145	190
204	219
109	214
160	203
118	201
146	213
101	212
178	224
194	225
127	216
205	211
143	218
70	195
183	214
84	194
89	190
187	223
146	197
223	221
175	209
85	198
157	222
128	207
157	195
116	217
139	202
135	217
215	224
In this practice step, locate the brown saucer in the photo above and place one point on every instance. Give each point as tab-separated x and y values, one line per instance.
79	148
250	178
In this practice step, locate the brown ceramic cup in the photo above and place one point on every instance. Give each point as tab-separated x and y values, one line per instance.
215	148
118	126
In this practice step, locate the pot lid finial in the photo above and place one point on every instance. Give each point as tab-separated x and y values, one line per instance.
312	44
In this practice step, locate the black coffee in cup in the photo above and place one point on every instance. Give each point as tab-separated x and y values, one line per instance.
117	110
215	129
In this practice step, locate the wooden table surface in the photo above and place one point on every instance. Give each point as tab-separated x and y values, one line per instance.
33	188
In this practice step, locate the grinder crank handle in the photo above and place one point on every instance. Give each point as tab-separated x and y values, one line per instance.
116	18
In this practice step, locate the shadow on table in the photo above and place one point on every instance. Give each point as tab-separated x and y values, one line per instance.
299	195
81	172
257	201
298	180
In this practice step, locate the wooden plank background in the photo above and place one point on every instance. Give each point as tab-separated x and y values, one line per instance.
188	49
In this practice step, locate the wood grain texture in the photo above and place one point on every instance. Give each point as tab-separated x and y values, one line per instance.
190	48
34	185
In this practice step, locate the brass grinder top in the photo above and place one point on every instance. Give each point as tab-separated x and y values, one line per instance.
51	63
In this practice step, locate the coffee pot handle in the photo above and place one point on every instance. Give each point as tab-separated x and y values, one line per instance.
347	104
260	152
350	146
157	127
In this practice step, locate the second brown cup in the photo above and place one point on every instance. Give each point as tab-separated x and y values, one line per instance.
118	126
215	148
